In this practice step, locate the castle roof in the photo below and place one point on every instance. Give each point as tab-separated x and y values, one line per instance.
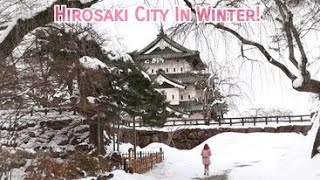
188	107
168	49
180	80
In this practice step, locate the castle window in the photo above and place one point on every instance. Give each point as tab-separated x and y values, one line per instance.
152	70
172	96
189	96
181	69
181	97
174	69
167	70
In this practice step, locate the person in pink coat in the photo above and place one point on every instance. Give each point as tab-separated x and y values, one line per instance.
206	153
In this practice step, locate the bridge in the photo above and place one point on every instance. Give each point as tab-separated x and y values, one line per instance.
237	121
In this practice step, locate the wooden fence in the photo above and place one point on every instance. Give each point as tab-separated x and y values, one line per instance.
144	161
240	121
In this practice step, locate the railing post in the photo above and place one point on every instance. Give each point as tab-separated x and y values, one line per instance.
266	119
301	118
242	121
219	122
289	119
162	155
277	120
254	121
230	121
129	153
125	165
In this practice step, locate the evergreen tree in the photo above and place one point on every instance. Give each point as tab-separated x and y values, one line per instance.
129	90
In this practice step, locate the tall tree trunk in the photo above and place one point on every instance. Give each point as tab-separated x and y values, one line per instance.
96	136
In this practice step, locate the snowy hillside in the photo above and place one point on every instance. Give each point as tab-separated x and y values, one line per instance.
55	131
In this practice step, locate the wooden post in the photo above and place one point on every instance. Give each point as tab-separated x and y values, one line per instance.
118	135
242	121
129	153
277	119
162	155
129	160
113	136
135	137
254	121
125	165
31	112
60	111
99	137
45	111
230	121
266	119
289	119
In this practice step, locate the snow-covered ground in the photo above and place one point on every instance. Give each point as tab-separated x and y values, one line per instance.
254	156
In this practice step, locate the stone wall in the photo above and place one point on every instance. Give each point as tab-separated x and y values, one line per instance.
190	138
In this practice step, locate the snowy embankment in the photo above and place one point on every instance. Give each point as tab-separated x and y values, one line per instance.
241	156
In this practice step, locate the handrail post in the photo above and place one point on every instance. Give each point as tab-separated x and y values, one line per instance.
254	121
266	119
242	121
230	121
289	119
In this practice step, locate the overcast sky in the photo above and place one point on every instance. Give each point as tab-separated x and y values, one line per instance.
264	86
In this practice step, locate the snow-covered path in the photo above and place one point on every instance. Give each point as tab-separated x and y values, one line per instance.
252	156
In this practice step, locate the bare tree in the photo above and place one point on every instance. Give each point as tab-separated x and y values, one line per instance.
289	38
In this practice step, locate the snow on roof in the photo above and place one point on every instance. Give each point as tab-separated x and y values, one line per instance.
6	28
13	10
145	75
